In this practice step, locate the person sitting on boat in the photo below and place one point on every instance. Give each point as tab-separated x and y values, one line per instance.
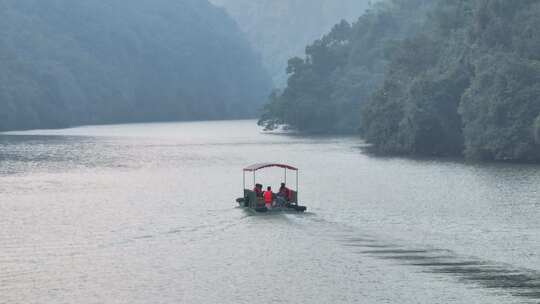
284	195
268	197
258	190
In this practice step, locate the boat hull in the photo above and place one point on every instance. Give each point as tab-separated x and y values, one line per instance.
272	210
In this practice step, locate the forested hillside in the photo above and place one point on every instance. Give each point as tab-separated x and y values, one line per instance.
425	77
280	29
67	62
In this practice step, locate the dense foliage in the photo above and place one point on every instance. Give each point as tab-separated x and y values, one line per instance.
70	62
340	69
465	79
280	29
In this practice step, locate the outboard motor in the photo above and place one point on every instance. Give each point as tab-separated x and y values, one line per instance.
299	208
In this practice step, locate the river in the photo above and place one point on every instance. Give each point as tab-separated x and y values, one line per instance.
145	213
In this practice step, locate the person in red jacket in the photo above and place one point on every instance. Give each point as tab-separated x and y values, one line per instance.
268	197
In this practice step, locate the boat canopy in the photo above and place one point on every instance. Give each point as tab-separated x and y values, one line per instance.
260	166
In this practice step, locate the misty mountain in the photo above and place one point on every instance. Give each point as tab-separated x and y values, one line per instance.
70	62
281	29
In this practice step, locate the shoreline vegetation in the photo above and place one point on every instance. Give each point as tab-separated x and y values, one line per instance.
422	77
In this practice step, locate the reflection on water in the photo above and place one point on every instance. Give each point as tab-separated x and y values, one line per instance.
145	213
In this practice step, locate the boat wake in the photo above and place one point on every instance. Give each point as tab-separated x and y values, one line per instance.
500	278
517	282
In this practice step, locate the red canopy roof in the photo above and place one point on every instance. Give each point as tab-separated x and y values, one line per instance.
256	167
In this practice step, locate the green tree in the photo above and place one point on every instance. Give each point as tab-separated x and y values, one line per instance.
500	108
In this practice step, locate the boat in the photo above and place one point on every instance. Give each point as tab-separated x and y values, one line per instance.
255	204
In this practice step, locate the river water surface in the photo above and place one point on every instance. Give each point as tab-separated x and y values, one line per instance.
145	213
